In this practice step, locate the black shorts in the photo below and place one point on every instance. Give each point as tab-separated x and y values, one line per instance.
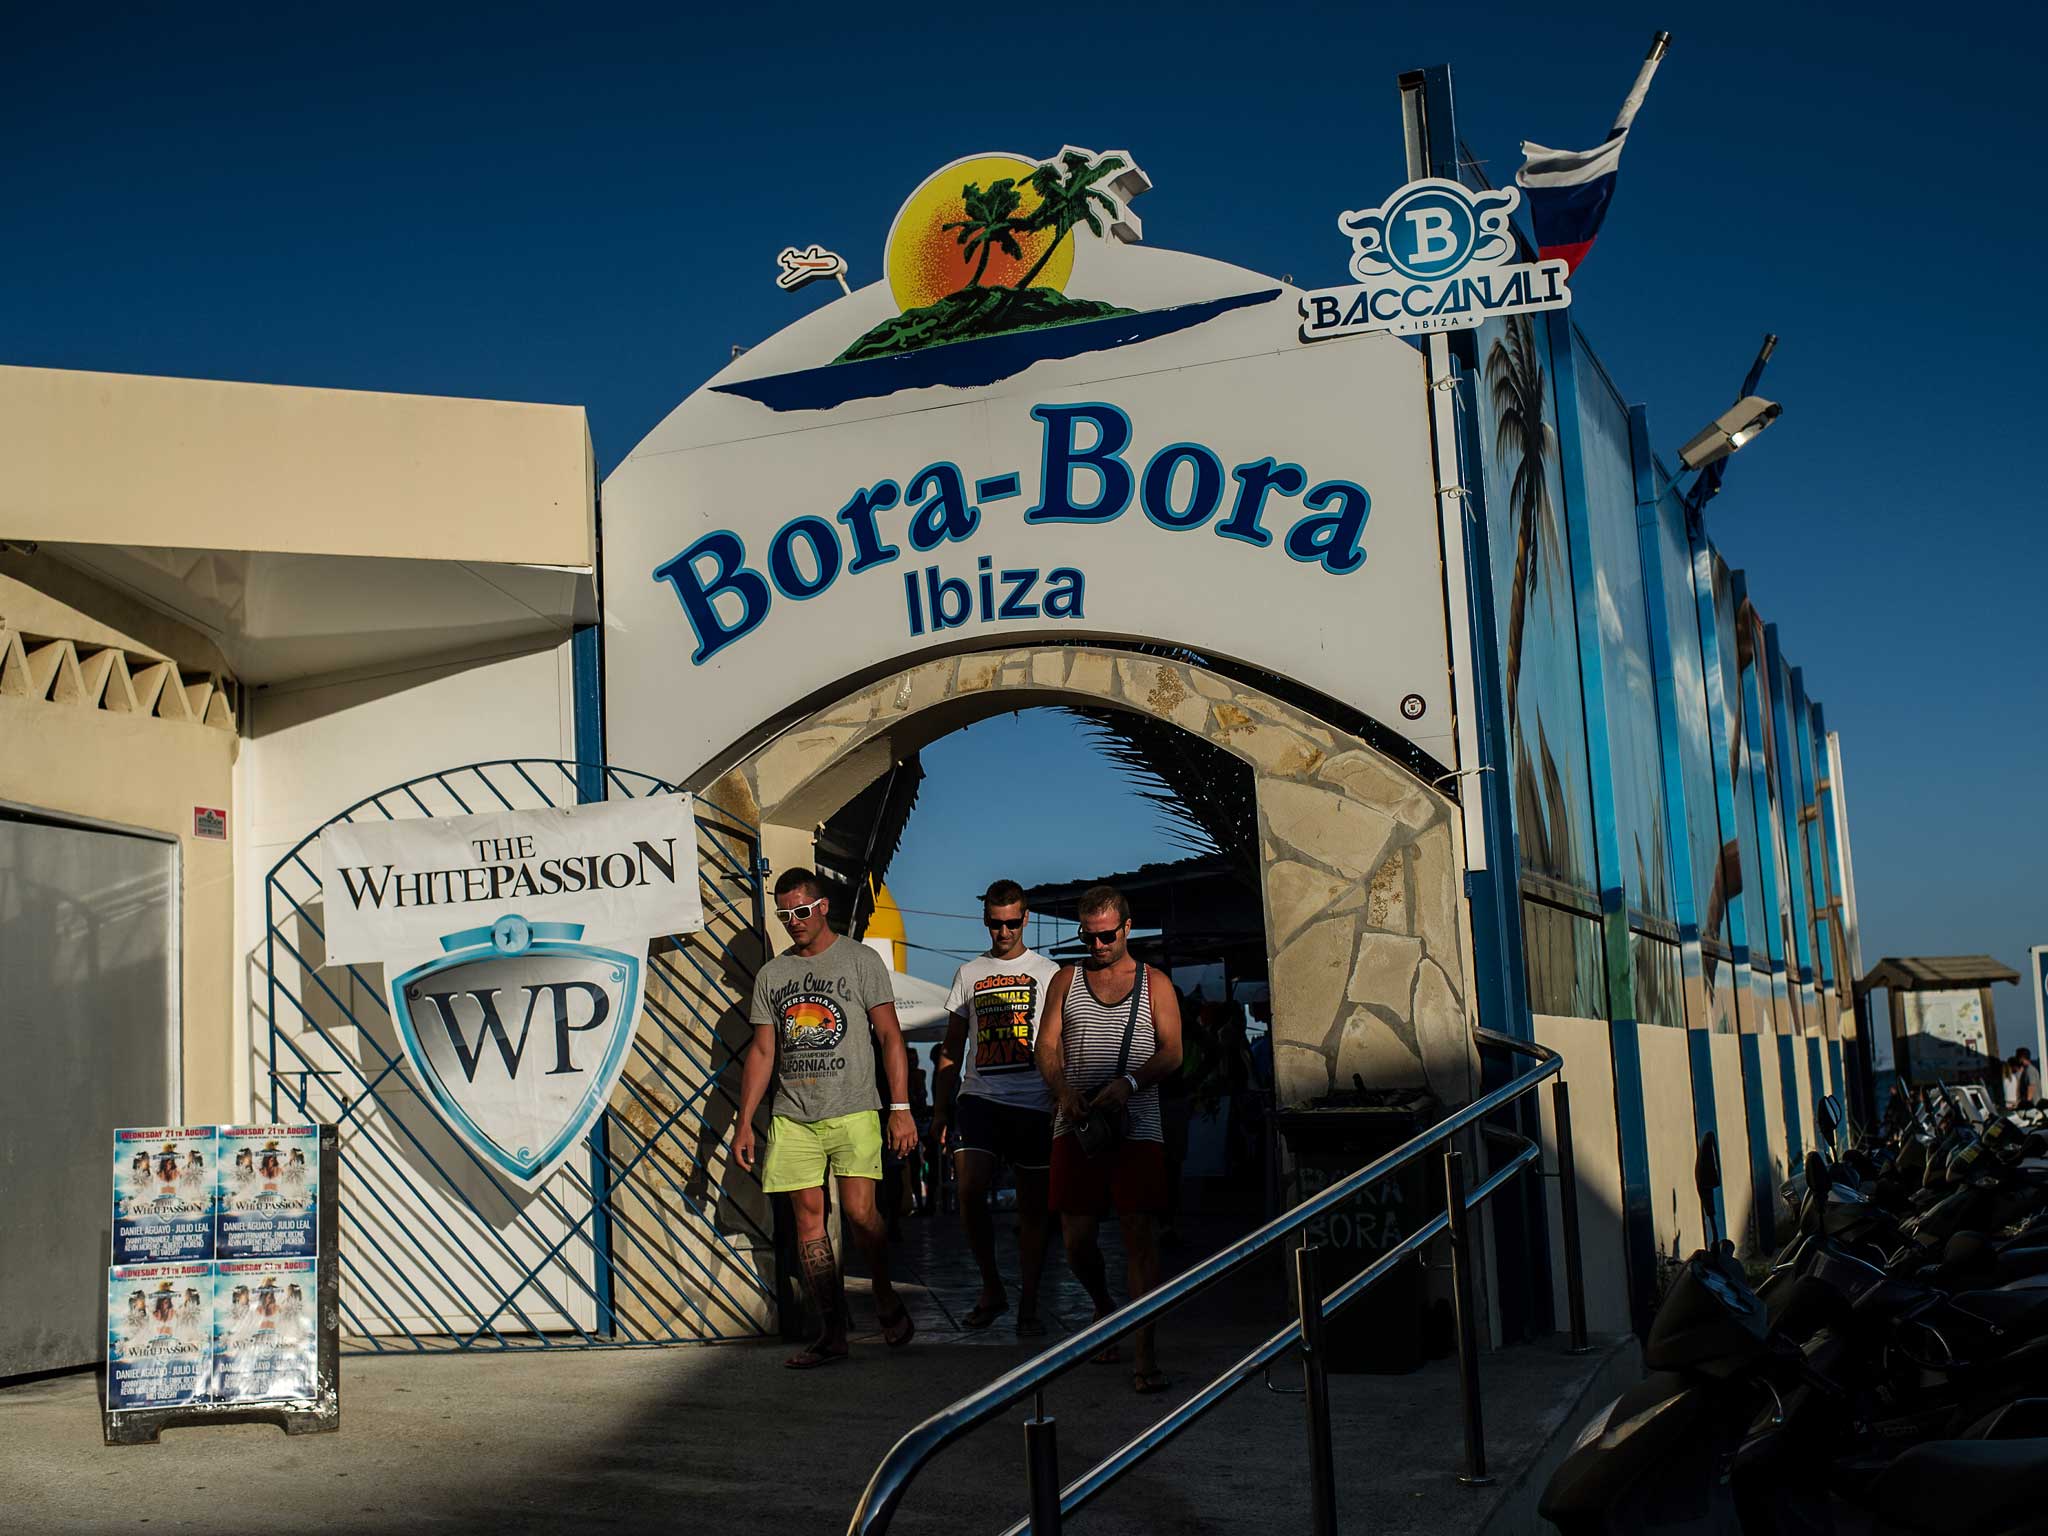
1019	1136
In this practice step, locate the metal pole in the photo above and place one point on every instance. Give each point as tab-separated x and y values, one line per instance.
1042	1456
1468	1323
1315	1381
1568	1205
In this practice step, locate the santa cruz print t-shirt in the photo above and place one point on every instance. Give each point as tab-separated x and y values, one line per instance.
824	1048
1003	1001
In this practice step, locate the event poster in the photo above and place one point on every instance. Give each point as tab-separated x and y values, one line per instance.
163	1194
159	1334
269	1201
265	1344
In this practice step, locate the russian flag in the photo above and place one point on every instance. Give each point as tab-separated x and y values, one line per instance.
1569	189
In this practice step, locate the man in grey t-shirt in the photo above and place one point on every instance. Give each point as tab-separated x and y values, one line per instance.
813	1009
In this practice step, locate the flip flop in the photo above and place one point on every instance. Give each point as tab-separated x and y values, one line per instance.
813	1357
1029	1327
1145	1383
984	1313
902	1320
1109	1353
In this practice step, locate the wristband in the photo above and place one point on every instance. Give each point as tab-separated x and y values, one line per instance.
899	1106
1132	1079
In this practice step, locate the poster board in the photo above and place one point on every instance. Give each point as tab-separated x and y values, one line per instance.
233	1316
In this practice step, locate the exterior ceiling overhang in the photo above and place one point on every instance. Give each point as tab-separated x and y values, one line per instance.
276	617
307	531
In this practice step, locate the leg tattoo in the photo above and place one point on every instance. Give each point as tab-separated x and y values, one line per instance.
821	1273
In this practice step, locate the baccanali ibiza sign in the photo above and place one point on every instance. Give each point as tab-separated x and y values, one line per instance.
1034	426
513	946
1433	257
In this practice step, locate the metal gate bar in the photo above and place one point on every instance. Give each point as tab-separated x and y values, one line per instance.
635	1244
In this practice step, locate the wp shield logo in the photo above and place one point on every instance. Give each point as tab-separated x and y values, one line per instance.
518	1034
1434	257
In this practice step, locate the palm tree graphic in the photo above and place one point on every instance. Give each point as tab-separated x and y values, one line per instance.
1065	201
1522	432
991	223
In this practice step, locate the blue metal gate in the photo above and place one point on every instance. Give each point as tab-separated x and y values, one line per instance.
650	1238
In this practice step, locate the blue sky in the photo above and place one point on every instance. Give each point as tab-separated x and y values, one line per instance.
582	204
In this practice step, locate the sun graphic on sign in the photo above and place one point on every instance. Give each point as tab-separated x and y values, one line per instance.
926	256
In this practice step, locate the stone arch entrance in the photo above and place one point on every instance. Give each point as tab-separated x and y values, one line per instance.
1359	859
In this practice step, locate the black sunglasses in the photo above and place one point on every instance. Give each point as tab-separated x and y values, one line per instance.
1002	922
1101	936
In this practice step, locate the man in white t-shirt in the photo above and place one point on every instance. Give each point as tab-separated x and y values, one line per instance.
1002	1110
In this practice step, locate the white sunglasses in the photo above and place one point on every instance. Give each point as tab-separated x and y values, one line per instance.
798	914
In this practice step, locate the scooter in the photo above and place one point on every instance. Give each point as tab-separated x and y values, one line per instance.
1740	1430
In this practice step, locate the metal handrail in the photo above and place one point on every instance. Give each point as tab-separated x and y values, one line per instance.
1051	1503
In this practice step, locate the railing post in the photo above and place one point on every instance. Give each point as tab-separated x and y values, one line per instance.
1568	1207
1468	1324
1041	1450
1315	1381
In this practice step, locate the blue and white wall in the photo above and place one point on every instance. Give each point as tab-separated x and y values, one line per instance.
1680	872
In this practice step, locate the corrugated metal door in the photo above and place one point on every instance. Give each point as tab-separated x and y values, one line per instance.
89	1015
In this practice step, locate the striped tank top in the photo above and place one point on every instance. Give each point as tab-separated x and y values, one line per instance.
1092	1035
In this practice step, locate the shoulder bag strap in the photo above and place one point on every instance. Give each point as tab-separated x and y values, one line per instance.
1123	1056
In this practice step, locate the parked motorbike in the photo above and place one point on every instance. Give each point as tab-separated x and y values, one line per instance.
1850	1398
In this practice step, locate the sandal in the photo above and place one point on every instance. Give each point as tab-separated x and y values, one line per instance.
902	1320
814	1356
1108	1354
1145	1383
985	1312
1029	1327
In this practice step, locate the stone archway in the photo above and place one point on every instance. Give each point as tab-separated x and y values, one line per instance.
1359	860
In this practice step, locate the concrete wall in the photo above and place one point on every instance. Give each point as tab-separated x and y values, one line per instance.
1589	1070
1738	1191
1802	1074
316	747
95	725
1771	1078
119	459
1672	1138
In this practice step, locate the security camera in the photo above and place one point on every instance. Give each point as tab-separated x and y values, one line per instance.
1729	431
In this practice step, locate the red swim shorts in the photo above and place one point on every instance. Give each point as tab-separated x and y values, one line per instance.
1132	1178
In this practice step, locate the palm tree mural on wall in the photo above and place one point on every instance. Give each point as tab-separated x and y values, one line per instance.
1524	440
1059	196
1522	435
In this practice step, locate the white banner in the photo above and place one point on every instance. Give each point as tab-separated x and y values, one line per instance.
621	869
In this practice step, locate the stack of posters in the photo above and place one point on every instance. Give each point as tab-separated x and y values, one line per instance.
213	1294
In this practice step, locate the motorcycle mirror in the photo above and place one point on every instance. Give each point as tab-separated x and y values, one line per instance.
1827	1117
1819	1180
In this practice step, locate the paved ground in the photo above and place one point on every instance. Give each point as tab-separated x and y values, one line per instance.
722	1439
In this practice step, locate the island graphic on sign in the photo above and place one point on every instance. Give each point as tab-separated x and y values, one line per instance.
983	252
986	246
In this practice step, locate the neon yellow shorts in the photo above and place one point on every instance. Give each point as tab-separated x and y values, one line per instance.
802	1152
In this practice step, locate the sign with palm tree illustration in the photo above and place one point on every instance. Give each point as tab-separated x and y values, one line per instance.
986	246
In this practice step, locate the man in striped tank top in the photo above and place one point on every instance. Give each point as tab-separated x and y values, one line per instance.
1089	1009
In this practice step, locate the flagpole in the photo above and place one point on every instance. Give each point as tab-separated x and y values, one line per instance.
1659	46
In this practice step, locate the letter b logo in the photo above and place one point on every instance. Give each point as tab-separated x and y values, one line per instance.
1431	231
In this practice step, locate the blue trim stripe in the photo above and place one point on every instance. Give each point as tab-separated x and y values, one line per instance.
1764	1193
1494	893
586	671
1788	1075
1638	1226
1659	585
